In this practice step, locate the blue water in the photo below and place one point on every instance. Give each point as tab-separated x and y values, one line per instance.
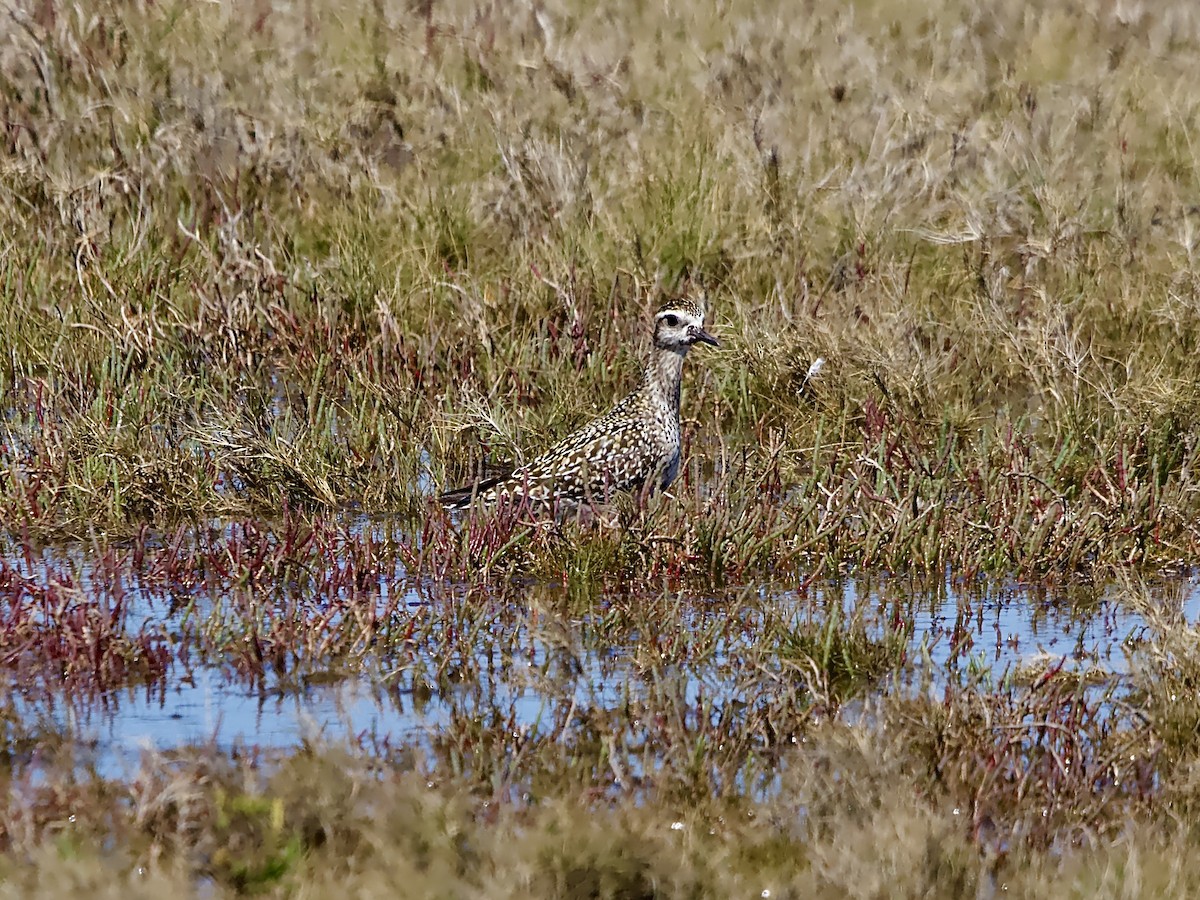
552	664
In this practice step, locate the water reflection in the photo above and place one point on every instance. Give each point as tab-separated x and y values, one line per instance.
536	663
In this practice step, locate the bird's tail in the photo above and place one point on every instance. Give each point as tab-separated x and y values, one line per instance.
465	496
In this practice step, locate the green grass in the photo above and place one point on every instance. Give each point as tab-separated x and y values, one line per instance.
345	260
267	268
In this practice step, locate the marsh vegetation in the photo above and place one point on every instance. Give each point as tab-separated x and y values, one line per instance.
918	621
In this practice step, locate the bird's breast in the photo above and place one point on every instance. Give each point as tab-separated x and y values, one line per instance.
671	469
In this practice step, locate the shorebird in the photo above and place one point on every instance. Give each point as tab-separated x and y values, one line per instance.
633	447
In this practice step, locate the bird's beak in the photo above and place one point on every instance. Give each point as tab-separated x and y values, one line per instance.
703	337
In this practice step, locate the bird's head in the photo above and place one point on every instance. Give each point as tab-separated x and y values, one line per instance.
679	324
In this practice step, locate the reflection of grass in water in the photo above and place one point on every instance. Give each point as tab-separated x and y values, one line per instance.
1027	789
265	263
717	712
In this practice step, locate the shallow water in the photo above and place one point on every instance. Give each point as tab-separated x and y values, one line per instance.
532	670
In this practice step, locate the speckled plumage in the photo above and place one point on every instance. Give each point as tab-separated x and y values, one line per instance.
634	446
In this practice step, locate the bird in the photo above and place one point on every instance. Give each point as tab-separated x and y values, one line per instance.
633	447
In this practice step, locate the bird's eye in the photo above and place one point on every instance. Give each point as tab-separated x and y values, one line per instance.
672	321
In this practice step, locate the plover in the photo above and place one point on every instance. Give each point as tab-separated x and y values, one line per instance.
633	447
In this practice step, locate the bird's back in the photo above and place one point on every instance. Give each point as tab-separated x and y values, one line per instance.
628	446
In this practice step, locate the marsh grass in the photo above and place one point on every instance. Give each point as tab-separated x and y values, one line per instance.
270	256
270	269
856	809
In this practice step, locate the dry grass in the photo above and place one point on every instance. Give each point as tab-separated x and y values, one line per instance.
344	254
856	811
261	264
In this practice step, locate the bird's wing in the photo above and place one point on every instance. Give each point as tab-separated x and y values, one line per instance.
608	454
